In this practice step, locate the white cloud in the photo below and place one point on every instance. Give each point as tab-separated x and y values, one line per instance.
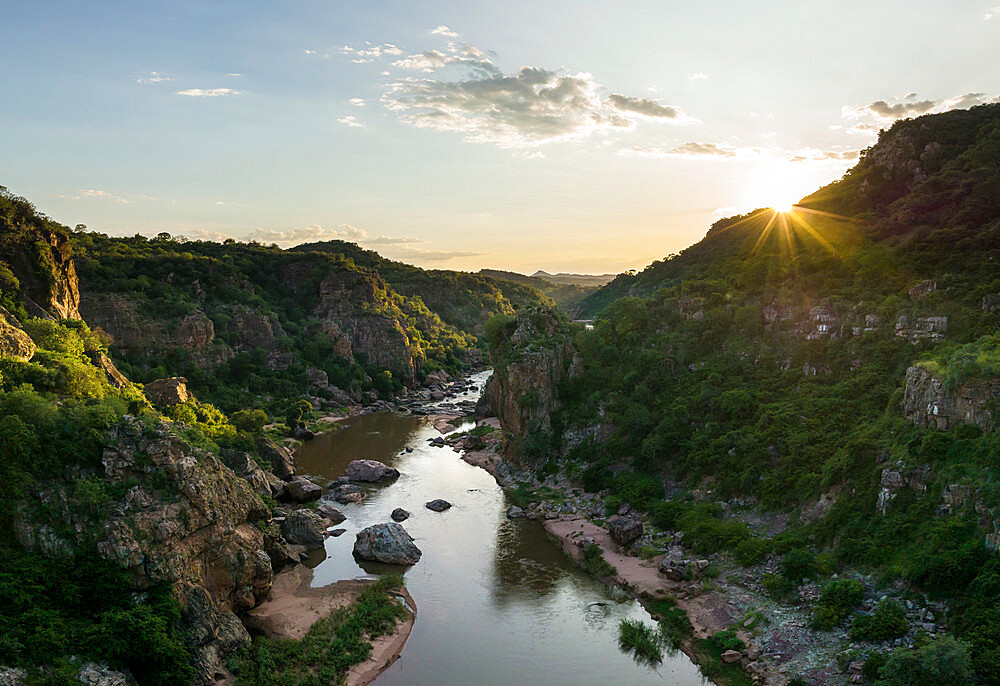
992	12
234	74
366	53
644	107
465	55
443	31
208	92
388	240
723	212
418	255
729	152
306	234
351	120
697	76
357	102
155	77
885	111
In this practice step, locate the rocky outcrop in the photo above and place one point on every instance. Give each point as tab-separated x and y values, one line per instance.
280	458
14	342
114	376
624	530
184	519
40	259
927	402
303	527
389	543
370	471
918	328
167	392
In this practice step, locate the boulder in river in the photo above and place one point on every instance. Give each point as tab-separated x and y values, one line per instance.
438	505
399	515
387	542
370	471
330	512
302	490
624	530
514	512
347	493
303	527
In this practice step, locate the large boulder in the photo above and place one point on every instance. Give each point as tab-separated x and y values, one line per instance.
399	515
387	543
624	530
302	490
166	392
280	458
303	527
14	342
438	505
330	512
347	493
370	471
244	466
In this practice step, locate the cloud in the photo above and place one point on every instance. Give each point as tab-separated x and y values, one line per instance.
208	92
387	240
306	234
154	77
992	12
531	107
443	31
697	76
357	102
642	106
364	54
691	149
884	111
430	255
96	194
466	55
723	212
727	151
235	74
351	120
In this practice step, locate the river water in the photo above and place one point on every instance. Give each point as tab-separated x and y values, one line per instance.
497	602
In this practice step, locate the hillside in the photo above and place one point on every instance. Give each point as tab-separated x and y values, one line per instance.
812	391
567	296
564	279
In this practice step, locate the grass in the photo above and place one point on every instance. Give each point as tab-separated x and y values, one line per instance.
594	562
675	627
645	642
330	647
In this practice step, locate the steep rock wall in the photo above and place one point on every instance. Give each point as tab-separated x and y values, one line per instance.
927	402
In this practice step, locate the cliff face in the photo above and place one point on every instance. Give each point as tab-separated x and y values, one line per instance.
182	518
927	402
39	256
534	357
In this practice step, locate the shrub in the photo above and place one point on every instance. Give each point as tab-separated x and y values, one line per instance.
727	640
943	660
594	562
887	621
839	598
798	564
642	639
666	514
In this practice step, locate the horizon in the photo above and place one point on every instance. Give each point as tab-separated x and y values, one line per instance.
568	138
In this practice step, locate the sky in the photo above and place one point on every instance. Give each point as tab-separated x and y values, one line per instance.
563	135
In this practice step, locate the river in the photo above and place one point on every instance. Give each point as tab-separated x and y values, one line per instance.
497	602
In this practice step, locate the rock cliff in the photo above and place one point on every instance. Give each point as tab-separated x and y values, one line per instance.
927	402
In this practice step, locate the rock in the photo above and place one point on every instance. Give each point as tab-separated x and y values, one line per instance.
388	542
166	392
624	530
922	289
672	570
731	656
12	676
399	515
514	512
302	490
371	471
330	512
303	527
244	466
337	532
927	401
280	458
855	668
102	361
438	505
347	493
303	434
93	674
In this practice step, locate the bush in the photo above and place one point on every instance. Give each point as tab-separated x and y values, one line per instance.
727	640
886	622
666	514
943	660
798	564
839	598
594	562
642	639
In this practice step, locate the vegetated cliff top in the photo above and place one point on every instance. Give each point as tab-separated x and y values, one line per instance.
927	195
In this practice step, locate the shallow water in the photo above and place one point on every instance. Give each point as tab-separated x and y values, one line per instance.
497	602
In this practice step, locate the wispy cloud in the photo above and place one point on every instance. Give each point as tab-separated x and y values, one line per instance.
368	52
465	55
644	107
155	77
992	12
388	240
306	234
443	31
433	256
885	111
697	76
208	92
351	120
727	151
356	102
97	194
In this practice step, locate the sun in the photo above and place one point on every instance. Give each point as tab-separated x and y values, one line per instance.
783	206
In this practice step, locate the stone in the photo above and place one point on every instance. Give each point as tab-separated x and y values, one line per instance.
303	527
93	674
302	490
12	676
14	341
388	542
624	530
337	532
514	512
923	289
280	458
370	471
330	512
399	515
731	656
303	434
167	392
347	493
438	505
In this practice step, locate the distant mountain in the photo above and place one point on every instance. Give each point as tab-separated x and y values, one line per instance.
567	296
562	278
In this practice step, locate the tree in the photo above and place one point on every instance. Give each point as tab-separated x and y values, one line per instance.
943	660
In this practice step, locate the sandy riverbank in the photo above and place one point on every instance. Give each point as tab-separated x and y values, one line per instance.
294	605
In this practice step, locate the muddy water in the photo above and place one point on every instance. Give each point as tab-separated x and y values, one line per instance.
497	602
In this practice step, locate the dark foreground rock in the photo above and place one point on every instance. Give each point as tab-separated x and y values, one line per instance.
371	471
302	490
624	530
388	542
399	515
281	459
303	527
330	512
438	505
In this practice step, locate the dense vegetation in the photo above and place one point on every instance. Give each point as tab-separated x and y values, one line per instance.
766	364
567	296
